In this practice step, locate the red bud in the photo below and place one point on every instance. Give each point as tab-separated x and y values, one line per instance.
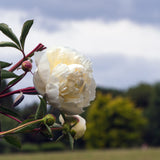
27	66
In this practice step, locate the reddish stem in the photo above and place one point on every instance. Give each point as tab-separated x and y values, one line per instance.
53	129
28	90
11	117
13	84
39	47
57	128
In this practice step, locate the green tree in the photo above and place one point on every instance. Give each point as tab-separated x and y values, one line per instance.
113	122
152	133
141	95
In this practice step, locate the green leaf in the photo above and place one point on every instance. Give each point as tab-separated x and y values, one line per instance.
50	134
4	64
8	32
71	140
26	27
14	140
15	80
8	44
28	127
9	111
42	109
6	74
60	138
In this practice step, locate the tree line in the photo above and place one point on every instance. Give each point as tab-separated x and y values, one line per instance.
117	118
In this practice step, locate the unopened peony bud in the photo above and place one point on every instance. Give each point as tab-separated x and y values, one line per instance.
27	66
79	128
49	119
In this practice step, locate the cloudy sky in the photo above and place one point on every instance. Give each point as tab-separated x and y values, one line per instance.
121	37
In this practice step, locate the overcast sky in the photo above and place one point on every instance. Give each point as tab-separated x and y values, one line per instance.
121	37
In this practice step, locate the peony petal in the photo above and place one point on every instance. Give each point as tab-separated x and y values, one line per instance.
37	56
80	127
52	94
38	83
61	119
44	69
92	91
68	56
65	76
71	108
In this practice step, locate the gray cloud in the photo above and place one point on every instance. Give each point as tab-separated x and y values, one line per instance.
120	72
136	10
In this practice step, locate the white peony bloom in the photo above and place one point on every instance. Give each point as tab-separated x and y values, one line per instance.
65	77
79	128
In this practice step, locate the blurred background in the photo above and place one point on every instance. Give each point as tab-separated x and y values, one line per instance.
122	38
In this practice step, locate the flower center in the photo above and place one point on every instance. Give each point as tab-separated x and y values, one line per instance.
74	84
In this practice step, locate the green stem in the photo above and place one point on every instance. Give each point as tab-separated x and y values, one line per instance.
19	127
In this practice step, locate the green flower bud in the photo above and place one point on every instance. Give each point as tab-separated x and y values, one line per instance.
49	119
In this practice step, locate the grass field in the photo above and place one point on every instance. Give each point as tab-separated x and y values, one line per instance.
133	154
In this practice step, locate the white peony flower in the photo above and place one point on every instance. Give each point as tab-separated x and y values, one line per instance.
65	77
79	128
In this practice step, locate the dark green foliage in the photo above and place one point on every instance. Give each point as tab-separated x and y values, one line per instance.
16	79
152	133
25	29
4	64
7	123
8	44
6	74
113	92
13	140
141	95
8	32
42	109
10	111
17	43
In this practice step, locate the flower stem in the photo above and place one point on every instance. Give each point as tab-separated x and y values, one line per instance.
28	90
8	87
20	127
39	47
11	117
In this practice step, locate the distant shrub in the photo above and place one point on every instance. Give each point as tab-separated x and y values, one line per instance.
113	122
